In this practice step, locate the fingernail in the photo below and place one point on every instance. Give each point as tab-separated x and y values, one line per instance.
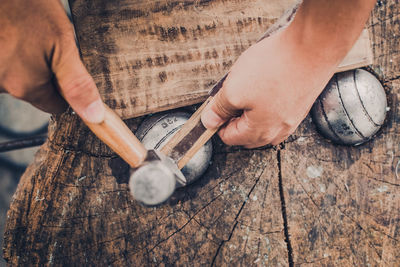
211	120
94	113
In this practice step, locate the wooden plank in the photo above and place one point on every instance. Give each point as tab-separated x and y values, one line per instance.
148	56
343	203
360	54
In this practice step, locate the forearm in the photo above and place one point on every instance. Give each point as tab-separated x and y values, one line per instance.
325	30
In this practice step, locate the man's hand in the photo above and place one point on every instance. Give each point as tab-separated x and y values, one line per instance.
276	81
39	60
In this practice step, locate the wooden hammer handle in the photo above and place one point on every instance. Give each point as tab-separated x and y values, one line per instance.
114	132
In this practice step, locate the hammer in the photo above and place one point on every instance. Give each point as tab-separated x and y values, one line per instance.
155	176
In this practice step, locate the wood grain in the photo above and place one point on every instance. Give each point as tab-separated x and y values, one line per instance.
65	213
343	203
149	56
310	203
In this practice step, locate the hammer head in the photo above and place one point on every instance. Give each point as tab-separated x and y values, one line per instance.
156	180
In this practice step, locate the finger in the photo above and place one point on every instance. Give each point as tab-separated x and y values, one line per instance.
280	138
256	145
277	141
238	132
75	83
42	95
47	98
259	143
218	111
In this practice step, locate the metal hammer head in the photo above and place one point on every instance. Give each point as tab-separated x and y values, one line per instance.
156	180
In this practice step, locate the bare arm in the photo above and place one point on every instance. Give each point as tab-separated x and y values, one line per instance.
276	81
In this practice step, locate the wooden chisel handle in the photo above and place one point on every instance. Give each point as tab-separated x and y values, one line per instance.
193	135
205	136
114	132
189	139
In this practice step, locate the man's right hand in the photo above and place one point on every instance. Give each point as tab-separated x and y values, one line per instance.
39	60
274	83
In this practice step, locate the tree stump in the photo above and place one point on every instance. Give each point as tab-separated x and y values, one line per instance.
308	202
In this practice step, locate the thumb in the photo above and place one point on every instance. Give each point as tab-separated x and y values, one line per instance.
218	111
76	85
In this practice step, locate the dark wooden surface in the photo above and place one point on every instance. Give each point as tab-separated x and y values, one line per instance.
148	56
309	203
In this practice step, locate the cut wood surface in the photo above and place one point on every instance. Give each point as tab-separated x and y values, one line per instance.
309	203
149	56
75	208
343	203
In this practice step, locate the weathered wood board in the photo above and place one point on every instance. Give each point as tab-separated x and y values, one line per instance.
309	203
148	56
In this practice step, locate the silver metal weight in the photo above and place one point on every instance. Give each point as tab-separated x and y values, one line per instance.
155	131
351	109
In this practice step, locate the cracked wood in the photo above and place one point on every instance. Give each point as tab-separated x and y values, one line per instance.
72	206
64	214
343	202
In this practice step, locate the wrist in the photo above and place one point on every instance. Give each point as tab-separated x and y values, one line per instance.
313	46
325	30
